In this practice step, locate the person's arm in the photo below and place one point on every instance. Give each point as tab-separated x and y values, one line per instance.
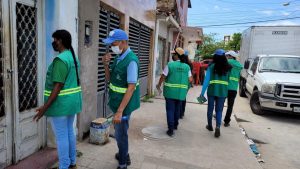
190	77
125	101
106	59
60	73
132	80
162	78
206	82
41	110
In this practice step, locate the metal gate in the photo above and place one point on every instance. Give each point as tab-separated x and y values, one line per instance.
139	42
27	61
108	22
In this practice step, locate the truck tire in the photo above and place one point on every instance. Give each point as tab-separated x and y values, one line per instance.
255	104
242	90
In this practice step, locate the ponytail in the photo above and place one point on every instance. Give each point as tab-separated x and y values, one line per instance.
76	65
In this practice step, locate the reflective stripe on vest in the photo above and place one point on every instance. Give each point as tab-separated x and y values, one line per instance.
219	82
234	79
176	85
64	92
119	89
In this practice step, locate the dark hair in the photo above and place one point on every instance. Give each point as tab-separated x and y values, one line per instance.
182	58
185	59
222	67
66	40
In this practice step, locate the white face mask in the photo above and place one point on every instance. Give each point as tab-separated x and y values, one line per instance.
116	50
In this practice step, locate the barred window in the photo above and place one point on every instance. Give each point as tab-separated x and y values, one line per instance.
108	22
27	56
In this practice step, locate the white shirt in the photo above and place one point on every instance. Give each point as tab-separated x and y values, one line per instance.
166	70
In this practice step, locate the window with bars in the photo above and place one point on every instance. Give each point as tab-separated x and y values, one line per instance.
108	22
2	103
139	42
27	56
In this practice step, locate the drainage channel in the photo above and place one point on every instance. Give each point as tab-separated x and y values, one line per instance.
251	142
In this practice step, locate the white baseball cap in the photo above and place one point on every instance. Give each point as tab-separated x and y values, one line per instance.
232	53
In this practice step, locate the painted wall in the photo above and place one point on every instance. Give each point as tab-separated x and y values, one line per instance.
88	56
141	10
182	10
59	15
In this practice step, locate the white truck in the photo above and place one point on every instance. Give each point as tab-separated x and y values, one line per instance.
271	74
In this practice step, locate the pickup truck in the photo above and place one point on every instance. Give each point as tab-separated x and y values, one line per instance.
272	82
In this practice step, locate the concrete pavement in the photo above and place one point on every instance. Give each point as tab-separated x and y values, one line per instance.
277	132
193	147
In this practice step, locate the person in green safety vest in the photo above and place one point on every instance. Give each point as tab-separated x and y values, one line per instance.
63	98
124	89
233	84
189	62
216	82
177	76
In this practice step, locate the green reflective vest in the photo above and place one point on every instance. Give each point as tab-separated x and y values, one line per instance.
118	85
69	100
218	85
234	74
177	82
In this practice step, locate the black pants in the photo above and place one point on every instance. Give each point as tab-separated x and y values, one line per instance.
230	101
182	108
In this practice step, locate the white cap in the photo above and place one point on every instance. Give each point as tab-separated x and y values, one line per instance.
232	53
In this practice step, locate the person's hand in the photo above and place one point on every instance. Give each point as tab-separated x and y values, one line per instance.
39	113
158	89
106	58
118	117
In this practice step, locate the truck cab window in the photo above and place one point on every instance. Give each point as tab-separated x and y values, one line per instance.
254	65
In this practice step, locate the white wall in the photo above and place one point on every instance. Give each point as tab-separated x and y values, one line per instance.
59	15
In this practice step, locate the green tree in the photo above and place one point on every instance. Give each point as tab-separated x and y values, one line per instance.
209	45
235	43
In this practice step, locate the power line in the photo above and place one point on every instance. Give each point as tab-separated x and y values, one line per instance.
242	23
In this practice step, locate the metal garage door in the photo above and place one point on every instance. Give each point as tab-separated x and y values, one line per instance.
108	21
139	42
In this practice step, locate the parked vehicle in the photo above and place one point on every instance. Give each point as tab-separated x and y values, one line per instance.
271	81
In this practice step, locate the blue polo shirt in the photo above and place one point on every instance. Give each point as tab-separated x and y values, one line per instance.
132	69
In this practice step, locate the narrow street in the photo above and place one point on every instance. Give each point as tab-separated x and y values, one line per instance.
278	134
193	147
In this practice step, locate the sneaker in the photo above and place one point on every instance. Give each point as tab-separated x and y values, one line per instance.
170	133
217	132
117	156
122	167
73	166
210	128
226	124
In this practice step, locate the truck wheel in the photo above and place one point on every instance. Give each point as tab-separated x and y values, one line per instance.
255	104
242	90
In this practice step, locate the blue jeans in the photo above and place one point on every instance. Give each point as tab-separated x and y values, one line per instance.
65	140
121	134
218	103
173	112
